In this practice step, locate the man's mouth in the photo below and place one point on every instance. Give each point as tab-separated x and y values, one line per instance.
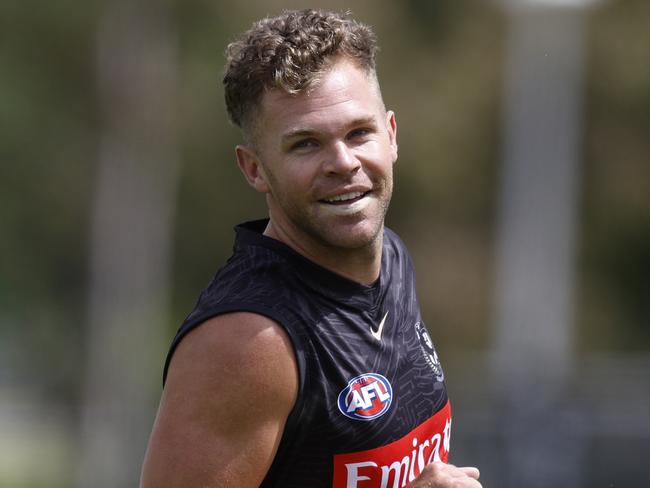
346	198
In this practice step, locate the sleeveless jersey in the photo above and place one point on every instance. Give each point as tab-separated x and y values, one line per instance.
372	408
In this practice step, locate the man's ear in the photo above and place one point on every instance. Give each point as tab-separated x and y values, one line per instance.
391	125
249	164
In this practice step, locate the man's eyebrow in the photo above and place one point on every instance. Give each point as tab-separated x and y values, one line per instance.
361	121
293	134
305	132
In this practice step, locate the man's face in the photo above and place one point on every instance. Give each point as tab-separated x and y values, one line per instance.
325	160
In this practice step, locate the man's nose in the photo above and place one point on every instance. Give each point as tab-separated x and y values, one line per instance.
341	159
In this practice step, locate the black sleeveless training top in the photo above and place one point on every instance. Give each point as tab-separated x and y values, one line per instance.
372	408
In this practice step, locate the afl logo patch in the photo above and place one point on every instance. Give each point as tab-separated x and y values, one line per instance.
366	397
429	352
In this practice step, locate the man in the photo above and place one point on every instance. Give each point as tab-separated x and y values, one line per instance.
306	362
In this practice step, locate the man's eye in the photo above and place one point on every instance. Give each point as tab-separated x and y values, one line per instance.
304	144
359	133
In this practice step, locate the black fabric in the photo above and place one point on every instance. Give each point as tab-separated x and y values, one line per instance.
329	320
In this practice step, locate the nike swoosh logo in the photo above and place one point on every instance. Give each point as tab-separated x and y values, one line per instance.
377	333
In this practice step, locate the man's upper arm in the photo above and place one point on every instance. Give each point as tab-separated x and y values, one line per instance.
231	385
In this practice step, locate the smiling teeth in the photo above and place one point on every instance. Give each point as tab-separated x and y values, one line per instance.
345	196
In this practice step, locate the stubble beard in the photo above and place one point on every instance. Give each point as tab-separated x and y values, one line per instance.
334	236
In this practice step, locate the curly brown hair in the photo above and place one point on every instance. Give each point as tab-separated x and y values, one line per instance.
290	52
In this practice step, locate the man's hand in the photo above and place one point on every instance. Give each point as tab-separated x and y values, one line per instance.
442	475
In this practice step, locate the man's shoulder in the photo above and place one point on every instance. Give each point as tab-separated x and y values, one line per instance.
231	386
236	330
244	344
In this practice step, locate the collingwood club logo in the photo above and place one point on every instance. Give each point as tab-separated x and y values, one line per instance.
430	355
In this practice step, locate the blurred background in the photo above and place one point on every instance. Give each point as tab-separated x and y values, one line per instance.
522	191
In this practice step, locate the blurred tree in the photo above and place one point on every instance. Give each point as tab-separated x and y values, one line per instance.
133	208
615	252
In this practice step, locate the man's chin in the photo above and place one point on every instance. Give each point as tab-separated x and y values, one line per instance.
360	235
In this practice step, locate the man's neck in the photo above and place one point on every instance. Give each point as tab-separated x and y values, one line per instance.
361	265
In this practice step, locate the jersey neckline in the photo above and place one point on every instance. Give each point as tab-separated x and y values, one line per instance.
251	233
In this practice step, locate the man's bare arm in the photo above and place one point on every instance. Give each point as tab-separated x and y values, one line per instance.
231	385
